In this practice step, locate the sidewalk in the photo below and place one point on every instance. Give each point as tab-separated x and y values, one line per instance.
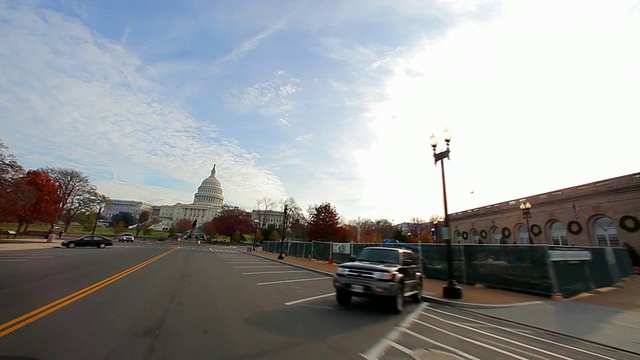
28	244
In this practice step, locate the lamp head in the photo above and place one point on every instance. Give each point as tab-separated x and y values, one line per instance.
433	140
447	135
525	205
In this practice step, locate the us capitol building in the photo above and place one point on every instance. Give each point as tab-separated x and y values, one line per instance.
206	203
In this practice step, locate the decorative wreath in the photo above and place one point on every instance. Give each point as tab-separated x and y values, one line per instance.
629	223
574	227
536	230
506	233
465	235
483	234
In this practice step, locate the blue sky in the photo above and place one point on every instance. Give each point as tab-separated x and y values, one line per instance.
324	101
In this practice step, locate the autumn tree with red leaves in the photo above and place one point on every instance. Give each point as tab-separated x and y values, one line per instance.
230	219
36	198
183	225
324	224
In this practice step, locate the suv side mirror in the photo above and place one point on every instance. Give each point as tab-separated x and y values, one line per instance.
352	258
407	262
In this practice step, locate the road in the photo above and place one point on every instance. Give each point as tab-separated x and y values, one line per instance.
146	301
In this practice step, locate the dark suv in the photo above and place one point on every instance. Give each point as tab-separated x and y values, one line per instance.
380	272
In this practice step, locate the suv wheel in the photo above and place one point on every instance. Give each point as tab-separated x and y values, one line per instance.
343	297
397	301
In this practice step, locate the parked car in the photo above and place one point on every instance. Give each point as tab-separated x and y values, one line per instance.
390	274
98	241
126	237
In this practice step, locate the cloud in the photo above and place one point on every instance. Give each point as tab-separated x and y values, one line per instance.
78	100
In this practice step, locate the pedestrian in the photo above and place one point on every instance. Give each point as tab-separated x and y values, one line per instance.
60	234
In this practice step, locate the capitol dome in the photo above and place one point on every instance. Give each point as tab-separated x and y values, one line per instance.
210	191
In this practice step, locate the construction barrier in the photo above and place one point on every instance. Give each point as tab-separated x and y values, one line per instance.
559	271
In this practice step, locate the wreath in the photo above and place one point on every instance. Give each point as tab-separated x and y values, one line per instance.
483	234
506	233
633	227
536	230
465	235
574	227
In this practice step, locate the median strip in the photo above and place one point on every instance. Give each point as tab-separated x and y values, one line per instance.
34	315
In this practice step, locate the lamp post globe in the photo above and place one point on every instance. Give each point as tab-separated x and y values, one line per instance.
526	214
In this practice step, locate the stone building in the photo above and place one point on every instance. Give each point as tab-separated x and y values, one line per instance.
131	206
206	203
602	213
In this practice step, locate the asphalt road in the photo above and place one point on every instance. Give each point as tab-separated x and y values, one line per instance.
127	302
145	301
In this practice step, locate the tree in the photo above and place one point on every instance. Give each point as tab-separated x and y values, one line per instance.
296	221
324	223
119	228
274	236
183	225
209	228
230	219
124	217
416	225
143	218
77	195
10	170
36	198
263	206
173	232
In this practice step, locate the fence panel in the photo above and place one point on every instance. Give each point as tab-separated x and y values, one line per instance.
623	261
516	267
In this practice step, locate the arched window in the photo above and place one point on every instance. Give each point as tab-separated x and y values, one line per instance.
475	236
605	232
558	233
523	235
458	236
496	235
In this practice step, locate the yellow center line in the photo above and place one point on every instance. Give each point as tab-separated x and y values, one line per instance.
51	307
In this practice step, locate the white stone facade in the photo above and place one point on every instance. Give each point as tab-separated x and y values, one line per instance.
206	203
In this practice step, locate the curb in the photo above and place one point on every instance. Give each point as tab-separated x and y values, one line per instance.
467	305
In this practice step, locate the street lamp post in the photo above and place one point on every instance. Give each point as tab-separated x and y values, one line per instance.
284	232
526	214
450	290
255	235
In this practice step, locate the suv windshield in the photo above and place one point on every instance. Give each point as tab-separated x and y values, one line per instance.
379	255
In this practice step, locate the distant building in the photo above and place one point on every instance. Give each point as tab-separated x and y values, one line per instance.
206	203
267	218
134	207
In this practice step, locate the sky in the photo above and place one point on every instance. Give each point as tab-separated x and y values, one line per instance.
324	101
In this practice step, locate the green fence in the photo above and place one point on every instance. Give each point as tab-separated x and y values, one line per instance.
537	269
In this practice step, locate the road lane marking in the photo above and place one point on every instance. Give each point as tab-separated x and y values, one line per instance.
479	343
521	332
43	311
290	281
431	341
259	266
274	272
308	299
379	349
